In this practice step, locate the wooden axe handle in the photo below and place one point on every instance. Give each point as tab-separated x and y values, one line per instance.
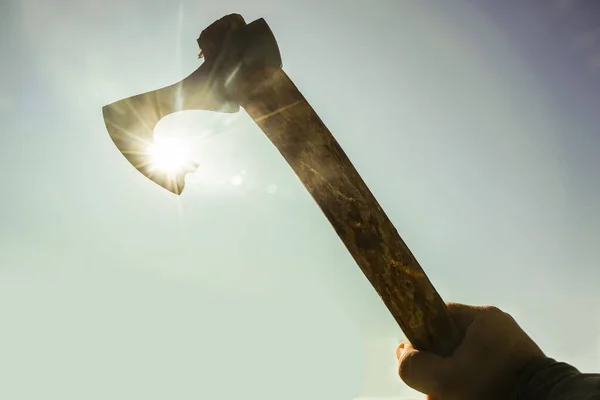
293	126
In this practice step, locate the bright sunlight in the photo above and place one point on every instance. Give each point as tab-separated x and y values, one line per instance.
168	155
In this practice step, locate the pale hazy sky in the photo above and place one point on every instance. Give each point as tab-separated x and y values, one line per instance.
475	125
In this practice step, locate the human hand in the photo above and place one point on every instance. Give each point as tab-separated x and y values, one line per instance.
484	366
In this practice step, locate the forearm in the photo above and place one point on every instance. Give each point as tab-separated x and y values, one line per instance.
547	379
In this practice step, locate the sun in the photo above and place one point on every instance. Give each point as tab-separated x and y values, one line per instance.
168	155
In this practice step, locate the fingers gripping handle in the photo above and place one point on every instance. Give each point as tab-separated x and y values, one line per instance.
437	332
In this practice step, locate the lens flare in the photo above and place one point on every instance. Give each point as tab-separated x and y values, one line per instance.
168	155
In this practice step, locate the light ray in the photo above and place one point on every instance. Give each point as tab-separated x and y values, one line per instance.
179	39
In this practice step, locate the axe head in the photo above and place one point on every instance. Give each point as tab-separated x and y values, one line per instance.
231	49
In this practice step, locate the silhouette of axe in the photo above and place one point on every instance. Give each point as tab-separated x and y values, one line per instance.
242	67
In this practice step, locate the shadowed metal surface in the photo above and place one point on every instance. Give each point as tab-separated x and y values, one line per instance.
131	121
228	46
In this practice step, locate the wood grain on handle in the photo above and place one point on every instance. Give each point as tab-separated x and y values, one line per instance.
295	129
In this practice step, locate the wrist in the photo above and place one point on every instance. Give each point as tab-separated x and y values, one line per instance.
527	373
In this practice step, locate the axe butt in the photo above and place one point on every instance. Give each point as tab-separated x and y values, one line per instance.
292	125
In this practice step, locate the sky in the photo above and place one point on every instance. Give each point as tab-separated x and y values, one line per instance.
473	122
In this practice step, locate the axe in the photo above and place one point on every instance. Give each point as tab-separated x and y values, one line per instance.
243	68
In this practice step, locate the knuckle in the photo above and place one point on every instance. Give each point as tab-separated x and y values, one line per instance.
498	314
493	310
404	367
509	317
408	368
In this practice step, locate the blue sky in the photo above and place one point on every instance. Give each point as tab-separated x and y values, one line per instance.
475	126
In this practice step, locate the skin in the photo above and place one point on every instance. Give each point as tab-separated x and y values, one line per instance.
485	365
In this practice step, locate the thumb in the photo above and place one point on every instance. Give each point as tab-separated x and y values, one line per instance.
421	370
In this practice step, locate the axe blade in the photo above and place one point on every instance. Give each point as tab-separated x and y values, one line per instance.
130	122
